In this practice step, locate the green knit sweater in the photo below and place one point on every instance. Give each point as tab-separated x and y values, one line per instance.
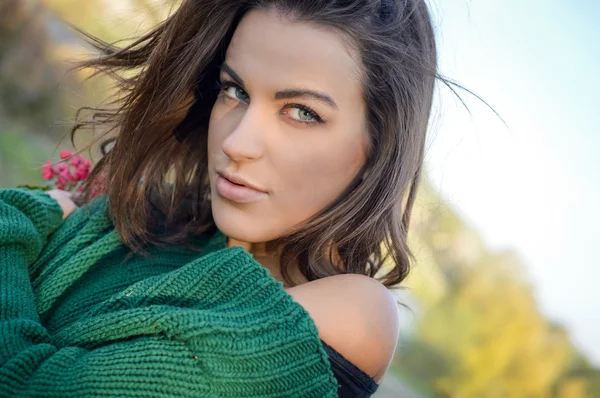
77	320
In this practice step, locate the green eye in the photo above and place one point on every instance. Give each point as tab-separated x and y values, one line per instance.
304	115
236	93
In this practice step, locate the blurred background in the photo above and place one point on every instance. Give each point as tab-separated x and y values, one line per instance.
503	297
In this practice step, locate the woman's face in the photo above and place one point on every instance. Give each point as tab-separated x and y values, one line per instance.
289	122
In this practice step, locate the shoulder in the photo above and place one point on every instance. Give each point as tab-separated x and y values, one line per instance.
356	315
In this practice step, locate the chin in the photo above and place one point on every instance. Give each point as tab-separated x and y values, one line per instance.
241	224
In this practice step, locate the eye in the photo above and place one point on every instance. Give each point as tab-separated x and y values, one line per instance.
234	91
302	114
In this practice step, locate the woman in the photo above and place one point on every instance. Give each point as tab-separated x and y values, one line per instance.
295	129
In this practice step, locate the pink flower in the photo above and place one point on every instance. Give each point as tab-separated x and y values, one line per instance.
61	183
59	168
47	171
66	174
81	174
69	175
77	161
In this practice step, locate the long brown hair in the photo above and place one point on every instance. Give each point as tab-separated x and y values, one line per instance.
166	80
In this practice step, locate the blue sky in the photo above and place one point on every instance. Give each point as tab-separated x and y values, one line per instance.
535	185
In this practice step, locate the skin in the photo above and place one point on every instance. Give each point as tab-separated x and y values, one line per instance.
65	201
301	165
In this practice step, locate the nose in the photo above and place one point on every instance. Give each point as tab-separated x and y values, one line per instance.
245	142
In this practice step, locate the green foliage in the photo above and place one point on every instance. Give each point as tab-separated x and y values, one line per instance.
21	159
29	92
484	336
120	20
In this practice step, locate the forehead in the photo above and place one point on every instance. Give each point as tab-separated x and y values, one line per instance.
271	50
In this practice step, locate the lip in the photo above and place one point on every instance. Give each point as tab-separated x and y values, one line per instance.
237	189
239	180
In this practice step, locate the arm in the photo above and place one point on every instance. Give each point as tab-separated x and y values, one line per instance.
30	363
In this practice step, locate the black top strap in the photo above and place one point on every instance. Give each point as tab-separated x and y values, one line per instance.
354	383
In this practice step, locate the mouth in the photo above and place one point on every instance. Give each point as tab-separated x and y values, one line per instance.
236	189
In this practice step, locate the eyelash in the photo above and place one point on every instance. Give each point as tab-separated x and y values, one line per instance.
222	86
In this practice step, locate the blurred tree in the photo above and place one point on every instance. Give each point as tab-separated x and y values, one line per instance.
28	75
113	20
581	379
484	335
31	83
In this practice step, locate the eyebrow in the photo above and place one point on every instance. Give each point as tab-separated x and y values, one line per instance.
285	94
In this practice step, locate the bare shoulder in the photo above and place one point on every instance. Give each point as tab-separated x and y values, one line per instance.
356	315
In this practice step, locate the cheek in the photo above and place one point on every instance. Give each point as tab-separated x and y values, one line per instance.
316	175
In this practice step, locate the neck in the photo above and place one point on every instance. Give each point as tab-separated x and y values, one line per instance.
269	260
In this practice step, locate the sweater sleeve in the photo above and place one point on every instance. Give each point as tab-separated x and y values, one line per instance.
32	364
27	218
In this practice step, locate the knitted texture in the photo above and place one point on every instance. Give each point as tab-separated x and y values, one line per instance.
77	320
